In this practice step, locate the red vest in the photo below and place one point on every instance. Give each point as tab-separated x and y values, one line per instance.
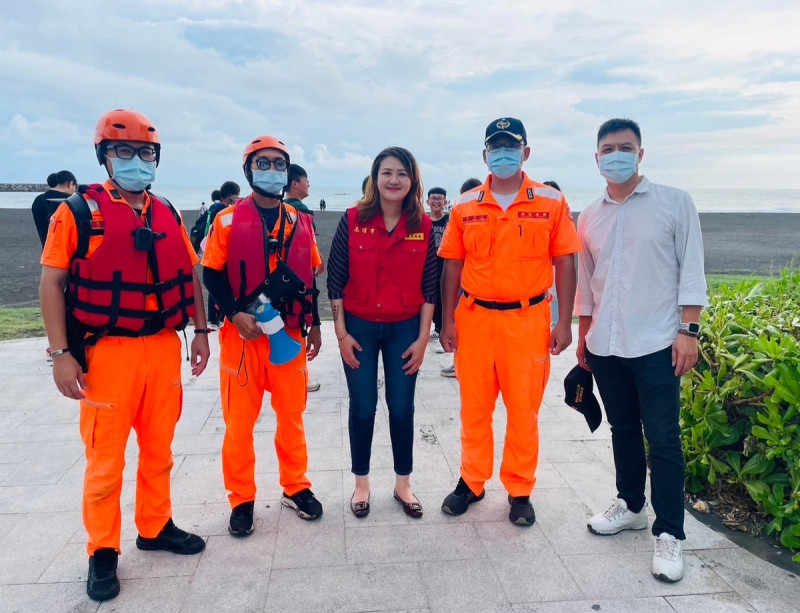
385	281
248	264
108	289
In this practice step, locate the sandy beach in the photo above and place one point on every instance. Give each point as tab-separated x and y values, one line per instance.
741	243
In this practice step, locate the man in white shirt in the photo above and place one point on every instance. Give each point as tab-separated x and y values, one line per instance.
641	289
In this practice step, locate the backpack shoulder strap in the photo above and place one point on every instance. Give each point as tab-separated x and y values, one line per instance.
175	213
83	221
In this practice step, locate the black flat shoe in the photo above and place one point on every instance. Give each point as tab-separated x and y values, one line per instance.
412	509
359	509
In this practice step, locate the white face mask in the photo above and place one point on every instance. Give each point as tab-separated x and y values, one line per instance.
133	175
618	166
270	181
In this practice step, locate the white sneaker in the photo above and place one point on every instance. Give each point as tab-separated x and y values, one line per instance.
437	348
617	519
434	336
448	372
313	386
667	558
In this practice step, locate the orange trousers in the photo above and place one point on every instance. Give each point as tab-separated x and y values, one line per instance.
131	383
508	352
245	374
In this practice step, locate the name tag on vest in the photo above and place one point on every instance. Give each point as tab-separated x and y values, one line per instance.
534	214
474	218
417	236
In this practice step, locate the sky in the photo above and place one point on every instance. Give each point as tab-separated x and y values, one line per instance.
715	86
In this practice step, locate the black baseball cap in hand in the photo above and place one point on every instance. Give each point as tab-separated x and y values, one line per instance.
578	386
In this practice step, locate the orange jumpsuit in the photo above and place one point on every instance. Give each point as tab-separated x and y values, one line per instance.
507	258
245	373
131	383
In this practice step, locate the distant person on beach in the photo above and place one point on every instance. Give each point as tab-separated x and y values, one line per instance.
322	204
641	290
500	245
437	200
221	198
296	191
62	184
466	186
382	288
130	285
263	248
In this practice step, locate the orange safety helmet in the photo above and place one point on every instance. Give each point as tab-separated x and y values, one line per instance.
121	124
264	142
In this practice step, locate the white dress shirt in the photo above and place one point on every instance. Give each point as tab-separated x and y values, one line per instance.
642	260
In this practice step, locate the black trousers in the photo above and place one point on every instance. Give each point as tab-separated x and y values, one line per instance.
644	392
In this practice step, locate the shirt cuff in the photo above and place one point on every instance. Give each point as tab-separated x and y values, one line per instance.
692	299
584	310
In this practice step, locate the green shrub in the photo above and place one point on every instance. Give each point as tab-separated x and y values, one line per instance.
740	410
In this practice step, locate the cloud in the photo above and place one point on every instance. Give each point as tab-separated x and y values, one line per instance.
341	81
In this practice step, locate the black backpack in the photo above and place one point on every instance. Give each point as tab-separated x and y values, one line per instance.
198	231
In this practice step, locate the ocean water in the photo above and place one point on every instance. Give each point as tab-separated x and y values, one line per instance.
190	197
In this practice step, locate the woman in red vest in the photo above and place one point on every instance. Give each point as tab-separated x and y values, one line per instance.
382	288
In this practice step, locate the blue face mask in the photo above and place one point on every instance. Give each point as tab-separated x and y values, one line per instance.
618	166
132	175
504	162
270	181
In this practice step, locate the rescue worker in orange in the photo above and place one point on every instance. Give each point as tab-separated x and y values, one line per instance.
125	260
500	247
259	246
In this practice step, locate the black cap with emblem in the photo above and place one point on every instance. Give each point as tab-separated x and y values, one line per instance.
507	125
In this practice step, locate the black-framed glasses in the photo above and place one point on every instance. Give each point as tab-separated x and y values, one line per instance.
126	152
436	198
504	145
264	164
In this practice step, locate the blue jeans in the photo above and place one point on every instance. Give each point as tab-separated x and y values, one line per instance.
638	392
391	340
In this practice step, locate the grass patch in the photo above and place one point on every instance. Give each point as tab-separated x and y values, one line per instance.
20	323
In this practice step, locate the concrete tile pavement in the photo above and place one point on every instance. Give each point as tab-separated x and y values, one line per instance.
385	562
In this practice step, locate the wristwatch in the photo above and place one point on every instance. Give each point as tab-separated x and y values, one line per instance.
691	329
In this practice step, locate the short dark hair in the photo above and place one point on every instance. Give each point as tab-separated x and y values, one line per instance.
618	125
364	185
470	184
296	172
61	177
552	184
229	188
437	190
215	196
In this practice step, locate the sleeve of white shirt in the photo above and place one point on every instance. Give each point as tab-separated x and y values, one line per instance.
689	251
584	301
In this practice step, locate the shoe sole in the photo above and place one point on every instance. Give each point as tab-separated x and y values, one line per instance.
288	502
313	388
181	552
599	533
102	597
666	579
521	521
240	533
449	375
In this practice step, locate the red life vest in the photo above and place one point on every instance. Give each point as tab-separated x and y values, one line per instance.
385	282
108	289
248	267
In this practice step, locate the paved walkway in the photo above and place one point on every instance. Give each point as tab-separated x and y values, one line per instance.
385	562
